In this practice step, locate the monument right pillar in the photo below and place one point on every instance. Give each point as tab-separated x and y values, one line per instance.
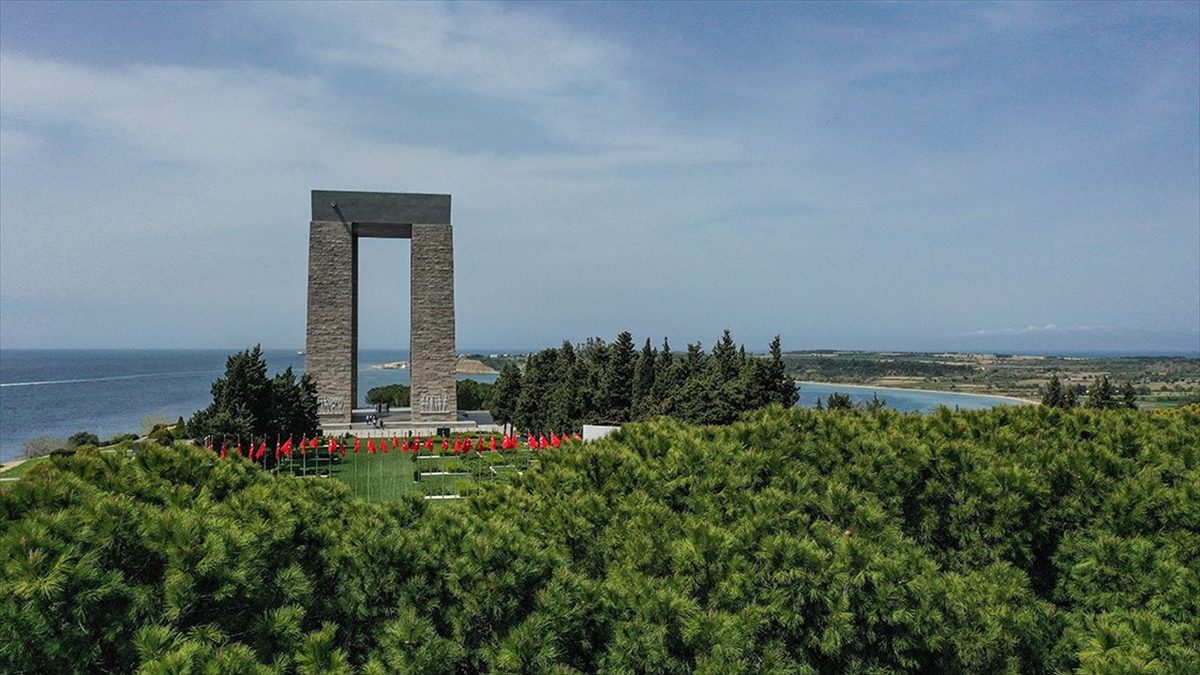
433	357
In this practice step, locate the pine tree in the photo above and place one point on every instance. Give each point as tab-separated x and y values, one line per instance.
643	382
618	380
563	390
1128	396
246	402
532	403
1052	394
1101	395
1070	397
725	357
505	394
839	401
664	367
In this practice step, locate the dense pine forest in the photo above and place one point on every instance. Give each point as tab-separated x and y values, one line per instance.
613	383
792	541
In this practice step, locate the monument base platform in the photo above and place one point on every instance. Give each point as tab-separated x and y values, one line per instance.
398	422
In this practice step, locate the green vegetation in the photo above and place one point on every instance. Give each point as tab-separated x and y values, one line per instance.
246	404
20	469
1156	381
395	395
382	477
1017	539
472	395
601	383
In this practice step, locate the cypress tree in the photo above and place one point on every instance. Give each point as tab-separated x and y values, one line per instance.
786	393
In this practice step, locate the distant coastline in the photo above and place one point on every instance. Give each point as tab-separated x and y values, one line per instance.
1020	401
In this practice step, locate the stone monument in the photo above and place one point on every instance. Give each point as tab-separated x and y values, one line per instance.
339	219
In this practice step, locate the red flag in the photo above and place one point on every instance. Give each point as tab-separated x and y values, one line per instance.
371	445
223	453
332	446
342	445
554	440
287	447
357	444
578	437
566	438
491	445
395	442
262	450
479	445
532	442
303	442
429	443
240	446
542	442
404	446
313	442
445	443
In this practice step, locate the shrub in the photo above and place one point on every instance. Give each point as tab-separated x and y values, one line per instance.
84	438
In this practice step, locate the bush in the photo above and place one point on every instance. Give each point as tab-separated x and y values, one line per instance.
84	438
121	438
1025	539
162	433
395	395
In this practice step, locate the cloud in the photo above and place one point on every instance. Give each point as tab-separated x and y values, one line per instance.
1048	328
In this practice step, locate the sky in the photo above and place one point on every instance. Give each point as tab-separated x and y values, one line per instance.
848	176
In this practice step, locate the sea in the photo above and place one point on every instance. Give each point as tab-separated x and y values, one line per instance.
57	393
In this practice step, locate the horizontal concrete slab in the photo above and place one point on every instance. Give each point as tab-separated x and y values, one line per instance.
380	208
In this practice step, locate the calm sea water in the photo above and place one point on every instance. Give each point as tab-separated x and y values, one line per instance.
899	399
58	392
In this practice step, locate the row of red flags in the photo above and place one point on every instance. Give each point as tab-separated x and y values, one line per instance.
415	445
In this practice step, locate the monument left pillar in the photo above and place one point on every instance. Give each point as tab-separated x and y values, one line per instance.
331	344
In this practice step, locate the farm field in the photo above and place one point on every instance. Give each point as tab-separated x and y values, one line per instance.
1160	382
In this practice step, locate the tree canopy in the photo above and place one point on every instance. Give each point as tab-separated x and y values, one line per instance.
1017	539
601	383
248	404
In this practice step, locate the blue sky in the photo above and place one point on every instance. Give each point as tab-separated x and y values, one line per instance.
891	176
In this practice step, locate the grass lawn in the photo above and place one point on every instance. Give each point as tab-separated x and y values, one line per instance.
384	476
21	468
